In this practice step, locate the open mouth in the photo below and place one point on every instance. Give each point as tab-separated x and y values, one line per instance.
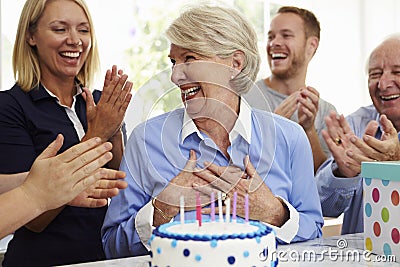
389	97
71	55
190	91
275	56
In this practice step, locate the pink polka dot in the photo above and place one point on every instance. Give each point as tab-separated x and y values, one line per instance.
375	195
395	235
395	197
377	229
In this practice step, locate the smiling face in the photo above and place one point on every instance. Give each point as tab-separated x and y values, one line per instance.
384	79
204	81
62	40
286	47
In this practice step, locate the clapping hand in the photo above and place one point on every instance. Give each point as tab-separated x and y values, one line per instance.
56	179
288	106
349	151
97	195
308	100
105	118
342	141
385	149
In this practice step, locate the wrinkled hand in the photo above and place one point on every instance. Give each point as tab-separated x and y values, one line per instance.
342	151
288	106
181	185
218	178
385	149
55	180
105	118
308	100
264	205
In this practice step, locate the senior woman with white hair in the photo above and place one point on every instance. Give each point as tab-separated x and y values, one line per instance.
231	147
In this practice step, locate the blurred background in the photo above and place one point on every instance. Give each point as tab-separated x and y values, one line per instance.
131	35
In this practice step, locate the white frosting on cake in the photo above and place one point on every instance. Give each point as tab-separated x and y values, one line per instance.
213	244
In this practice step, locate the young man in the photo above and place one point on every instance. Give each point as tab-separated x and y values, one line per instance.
293	39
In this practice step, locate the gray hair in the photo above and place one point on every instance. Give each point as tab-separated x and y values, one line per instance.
218	31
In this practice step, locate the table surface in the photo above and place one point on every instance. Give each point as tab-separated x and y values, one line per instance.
344	250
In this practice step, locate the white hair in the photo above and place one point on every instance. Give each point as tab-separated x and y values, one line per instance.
211	30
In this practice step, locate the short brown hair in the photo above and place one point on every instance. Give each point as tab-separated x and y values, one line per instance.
311	23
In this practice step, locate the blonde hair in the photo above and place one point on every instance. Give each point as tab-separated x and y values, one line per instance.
218	31
25	59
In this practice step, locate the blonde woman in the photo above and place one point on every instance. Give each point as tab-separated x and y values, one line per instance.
55	58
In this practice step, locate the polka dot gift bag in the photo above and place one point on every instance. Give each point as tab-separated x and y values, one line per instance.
382	208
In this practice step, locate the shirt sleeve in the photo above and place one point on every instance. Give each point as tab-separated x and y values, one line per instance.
335	193
288	231
304	195
119	234
18	152
144	224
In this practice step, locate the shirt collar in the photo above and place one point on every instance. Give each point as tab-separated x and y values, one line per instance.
242	125
188	127
78	91
42	92
38	93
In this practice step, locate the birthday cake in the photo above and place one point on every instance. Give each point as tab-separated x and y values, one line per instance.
213	243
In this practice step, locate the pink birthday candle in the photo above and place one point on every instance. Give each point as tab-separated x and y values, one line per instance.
212	207
246	207
234	206
198	208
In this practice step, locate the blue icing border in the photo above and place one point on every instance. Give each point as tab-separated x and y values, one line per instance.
162	231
